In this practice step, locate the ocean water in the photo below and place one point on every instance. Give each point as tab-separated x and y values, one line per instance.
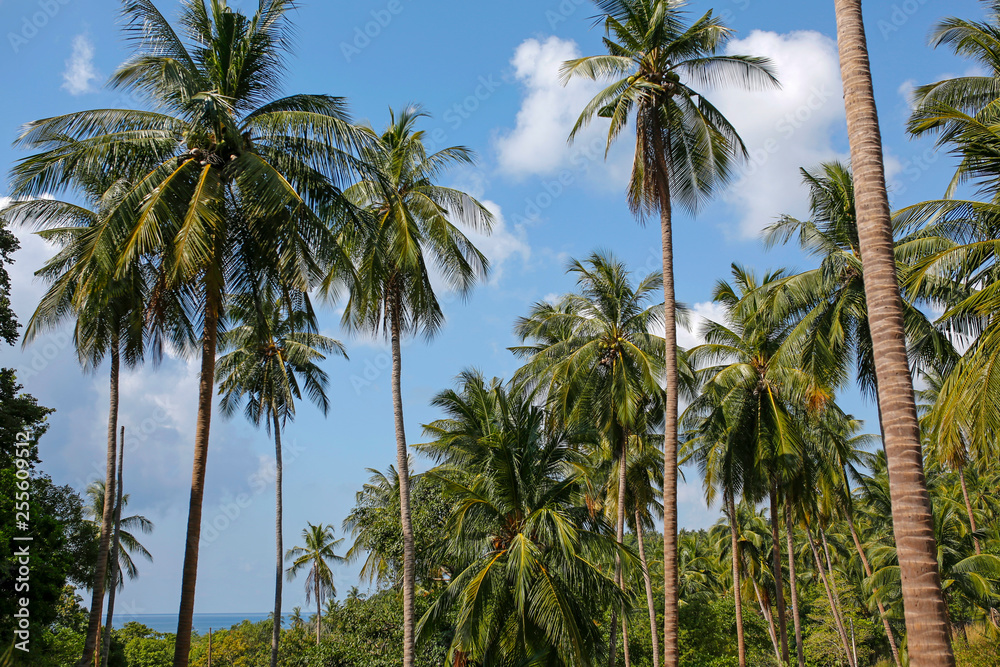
200	624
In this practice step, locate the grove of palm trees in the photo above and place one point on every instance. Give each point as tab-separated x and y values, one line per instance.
836	419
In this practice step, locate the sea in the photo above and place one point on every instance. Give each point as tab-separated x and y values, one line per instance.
200	624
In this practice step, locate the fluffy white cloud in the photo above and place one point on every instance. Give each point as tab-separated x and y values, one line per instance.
538	143
80	72
702	312
784	129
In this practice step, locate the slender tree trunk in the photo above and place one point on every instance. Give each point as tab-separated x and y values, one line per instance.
793	586
620	536
968	508
881	609
765	609
779	584
923	603
653	632
829	598
115	546
735	548
671	653
318	616
107	517
625	651
279	547
838	610
206	391
402	465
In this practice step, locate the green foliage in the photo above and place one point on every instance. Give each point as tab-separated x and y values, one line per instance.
8	320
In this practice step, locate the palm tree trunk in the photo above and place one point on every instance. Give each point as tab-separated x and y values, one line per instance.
316	584
115	546
793	585
625	653
923	604
881	609
402	466
968	508
833	583
206	390
779	584
829	598
735	549
766	611
671	652
620	536
654	635
279	547
107	517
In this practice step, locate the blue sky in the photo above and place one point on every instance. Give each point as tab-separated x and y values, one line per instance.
487	72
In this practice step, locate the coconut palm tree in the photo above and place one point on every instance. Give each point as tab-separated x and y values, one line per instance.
412	226
130	546
926	613
747	422
316	555
530	588
602	372
249	176
109	312
273	357
685	149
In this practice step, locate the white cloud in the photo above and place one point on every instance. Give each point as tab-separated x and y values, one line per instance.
783	129
538	143
80	73
502	243
702	312
26	290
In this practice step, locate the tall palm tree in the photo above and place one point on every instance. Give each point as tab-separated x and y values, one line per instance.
412	226
273	357
316	555
530	590
108	310
747	421
926	613
250	179
685	150
606	366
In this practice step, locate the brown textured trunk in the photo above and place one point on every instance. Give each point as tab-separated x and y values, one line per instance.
735	548
653	633
968	508
402	465
923	604
279	547
115	546
793	586
779	584
319	619
620	536
107	517
671	652
765	609
868	573
206	391
841	631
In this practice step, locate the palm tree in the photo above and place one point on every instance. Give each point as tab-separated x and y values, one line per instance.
605	367
274	357
249	179
530	588
108	310
926	613
684	151
747	422
316	556
411	226
130	545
